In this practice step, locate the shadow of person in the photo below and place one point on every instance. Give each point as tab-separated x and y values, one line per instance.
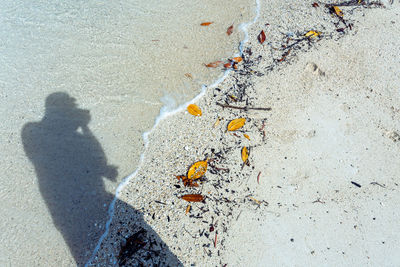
70	165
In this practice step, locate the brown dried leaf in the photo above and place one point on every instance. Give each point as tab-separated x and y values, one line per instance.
194	110
261	37
189	75
181	177
228	65
213	64
245	154
193	197
206	23
315	4
236	124
229	30
197	170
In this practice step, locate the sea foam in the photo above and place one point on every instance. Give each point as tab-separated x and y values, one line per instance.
170	109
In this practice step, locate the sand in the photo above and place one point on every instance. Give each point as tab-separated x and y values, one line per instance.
334	121
322	185
121	61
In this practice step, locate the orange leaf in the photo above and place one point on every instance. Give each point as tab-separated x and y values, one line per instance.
206	23
193	197
261	37
213	64
245	154
237	59
197	170
246	136
235	66
236	124
229	30
194	110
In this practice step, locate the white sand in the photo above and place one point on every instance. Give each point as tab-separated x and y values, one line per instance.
333	121
326	131
325	120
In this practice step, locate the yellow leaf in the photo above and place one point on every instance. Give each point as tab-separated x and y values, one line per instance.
245	154
255	200
188	209
197	170
312	34
217	122
194	110
236	124
246	136
234	98
338	11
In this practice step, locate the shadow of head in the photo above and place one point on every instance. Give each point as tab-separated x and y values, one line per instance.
62	113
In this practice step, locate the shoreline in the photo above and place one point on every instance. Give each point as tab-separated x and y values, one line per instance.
164	115
76	99
157	183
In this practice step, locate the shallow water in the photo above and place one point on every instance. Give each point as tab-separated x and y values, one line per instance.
121	57
122	61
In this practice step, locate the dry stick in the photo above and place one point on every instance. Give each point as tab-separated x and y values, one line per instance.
242	108
355	3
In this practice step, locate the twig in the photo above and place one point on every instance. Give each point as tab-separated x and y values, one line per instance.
375	183
356	184
188	232
355	3
318	201
242	108
284	55
237	218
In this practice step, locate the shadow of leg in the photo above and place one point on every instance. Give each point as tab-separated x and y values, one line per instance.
132	242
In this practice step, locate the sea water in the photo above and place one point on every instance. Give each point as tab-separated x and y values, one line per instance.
122	61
